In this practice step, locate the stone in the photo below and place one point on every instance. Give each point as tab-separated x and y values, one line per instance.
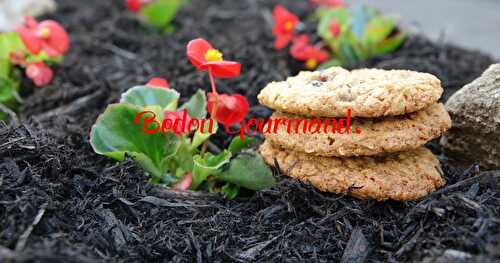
475	114
13	11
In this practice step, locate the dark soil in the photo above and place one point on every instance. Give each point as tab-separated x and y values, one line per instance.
60	202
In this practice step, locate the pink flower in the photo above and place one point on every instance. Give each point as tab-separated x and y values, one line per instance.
48	36
40	73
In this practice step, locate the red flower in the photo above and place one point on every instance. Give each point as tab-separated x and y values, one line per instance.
136	5
284	26
204	57
185	183
176	122
329	3
158	82
47	35
302	50
229	109
334	28
40	73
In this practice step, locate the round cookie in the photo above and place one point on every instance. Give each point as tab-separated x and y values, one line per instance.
400	176
367	92
376	137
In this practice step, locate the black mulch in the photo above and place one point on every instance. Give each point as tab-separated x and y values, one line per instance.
60	202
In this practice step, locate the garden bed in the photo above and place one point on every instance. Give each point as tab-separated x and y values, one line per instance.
87	208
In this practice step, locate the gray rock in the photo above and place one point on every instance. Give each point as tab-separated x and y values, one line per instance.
475	112
13	11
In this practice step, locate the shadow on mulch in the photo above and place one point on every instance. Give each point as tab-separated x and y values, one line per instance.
60	202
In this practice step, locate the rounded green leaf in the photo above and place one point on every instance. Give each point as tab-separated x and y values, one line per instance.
149	96
196	105
249	171
208	165
237	144
116	133
160	13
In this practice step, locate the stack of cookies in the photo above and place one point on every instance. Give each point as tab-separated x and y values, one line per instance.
391	114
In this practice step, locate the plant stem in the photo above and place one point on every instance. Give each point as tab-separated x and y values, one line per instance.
212	82
214	108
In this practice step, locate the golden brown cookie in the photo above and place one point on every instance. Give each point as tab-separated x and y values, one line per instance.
367	92
376	137
400	176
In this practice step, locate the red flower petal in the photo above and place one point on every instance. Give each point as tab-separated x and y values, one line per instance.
229	109
298	48
185	183
40	73
302	50
282	40
158	82
58	41
284	26
179	121
329	3
30	22
54	43
334	28
223	69
134	5
196	50
30	40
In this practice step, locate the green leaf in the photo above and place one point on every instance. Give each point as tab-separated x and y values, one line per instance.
330	63
10	42
8	92
343	17
201	136
115	134
161	12
196	105
184	157
230	191
149	96
208	165
237	144
389	44
378	29
248	171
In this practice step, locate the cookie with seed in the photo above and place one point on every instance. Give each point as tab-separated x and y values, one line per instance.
328	136
367	92
400	176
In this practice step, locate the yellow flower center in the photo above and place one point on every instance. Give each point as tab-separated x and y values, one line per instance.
289	26
311	63
213	55
44	32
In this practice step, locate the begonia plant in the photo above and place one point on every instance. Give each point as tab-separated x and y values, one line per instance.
347	35
157	13
34	46
169	141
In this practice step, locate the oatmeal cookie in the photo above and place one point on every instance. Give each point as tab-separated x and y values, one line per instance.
369	93
399	176
376	136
